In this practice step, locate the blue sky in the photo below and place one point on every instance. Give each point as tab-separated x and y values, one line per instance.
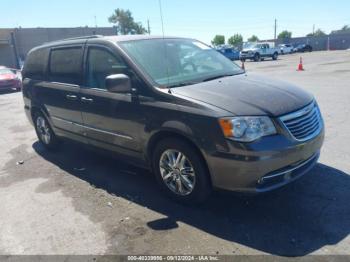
201	19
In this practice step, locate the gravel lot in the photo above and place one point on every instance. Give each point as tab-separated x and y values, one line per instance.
77	201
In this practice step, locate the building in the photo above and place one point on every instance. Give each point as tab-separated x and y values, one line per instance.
15	43
334	41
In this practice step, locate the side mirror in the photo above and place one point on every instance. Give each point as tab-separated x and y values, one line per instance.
118	83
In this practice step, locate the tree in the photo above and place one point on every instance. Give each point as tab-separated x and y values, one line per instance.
218	40
235	40
253	38
344	30
285	34
125	23
139	29
318	32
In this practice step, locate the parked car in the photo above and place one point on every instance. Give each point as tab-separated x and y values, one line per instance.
199	123
303	48
258	51
9	79
229	52
286	49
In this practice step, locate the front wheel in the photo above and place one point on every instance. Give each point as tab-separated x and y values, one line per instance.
44	132
181	172
274	56
257	57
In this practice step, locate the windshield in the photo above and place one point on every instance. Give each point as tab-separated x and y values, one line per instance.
251	45
175	62
5	71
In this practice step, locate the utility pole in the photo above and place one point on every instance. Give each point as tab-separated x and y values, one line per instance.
275	30
15	51
95	21
149	28
313	30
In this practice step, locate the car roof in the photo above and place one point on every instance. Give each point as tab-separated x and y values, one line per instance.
114	38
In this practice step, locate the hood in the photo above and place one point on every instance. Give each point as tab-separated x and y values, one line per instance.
7	76
248	95
250	49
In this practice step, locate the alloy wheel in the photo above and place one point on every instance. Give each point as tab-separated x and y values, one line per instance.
177	172
43	130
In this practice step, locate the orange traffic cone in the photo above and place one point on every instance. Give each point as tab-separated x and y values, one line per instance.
300	66
243	67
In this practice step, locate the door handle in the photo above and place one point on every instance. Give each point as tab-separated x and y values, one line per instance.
87	100
71	97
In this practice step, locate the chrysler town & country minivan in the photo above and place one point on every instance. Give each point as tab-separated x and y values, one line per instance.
175	106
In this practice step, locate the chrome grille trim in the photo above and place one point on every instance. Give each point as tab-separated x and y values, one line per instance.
291	169
303	124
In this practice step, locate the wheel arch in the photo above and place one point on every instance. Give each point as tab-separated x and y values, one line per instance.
167	133
37	109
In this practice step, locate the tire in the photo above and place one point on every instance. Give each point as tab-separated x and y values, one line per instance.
44	132
169	175
274	56
257	57
242	59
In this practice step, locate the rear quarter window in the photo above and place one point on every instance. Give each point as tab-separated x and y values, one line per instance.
66	65
35	64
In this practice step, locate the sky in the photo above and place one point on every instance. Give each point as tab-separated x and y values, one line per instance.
200	19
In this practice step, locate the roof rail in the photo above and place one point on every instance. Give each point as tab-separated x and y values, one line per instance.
81	37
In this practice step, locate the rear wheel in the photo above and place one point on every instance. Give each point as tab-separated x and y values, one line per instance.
44	132
181	172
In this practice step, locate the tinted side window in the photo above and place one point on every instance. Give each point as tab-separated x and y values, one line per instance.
35	64
66	65
100	64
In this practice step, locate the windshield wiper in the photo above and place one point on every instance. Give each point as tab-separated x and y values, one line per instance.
216	77
182	84
204	80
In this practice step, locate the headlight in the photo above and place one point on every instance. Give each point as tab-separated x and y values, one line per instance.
247	128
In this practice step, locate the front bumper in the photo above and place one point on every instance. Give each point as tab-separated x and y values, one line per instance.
263	165
9	84
246	55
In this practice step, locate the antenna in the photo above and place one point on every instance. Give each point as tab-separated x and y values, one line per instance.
161	15
164	45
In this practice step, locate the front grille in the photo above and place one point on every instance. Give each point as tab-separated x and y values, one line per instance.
304	124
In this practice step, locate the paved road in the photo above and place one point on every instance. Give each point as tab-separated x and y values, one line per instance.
79	202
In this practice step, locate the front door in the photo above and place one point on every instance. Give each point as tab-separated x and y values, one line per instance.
111	120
